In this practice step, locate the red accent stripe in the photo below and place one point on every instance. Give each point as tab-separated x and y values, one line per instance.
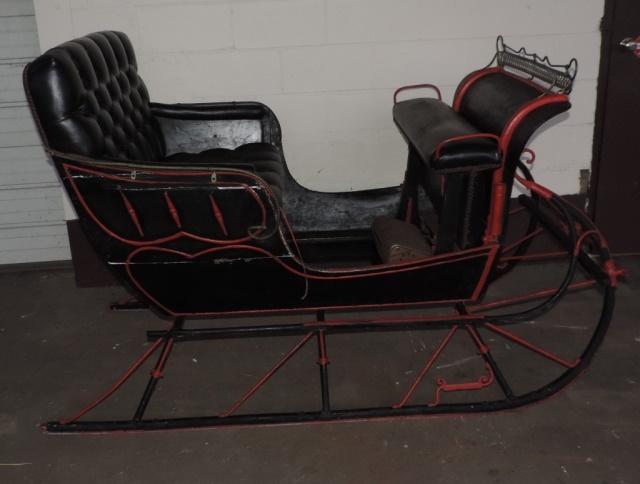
132	214
523	112
463	138
482	283
267	376
381	270
519	241
464	86
427	366
162	240
159	368
323	360
484	349
482	382
530	346
127	374
528	297
416	86
173	210
218	215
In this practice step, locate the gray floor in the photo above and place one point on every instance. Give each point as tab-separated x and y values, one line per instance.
60	346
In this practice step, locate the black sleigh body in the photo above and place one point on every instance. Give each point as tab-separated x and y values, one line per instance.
194	210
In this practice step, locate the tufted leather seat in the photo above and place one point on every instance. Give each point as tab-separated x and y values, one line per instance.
91	101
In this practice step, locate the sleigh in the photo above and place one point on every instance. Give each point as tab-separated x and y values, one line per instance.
193	209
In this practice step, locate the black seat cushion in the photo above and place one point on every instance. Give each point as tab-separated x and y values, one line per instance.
263	159
426	123
90	100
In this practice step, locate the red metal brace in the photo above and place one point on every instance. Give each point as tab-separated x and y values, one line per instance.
173	210
132	213
482	382
614	272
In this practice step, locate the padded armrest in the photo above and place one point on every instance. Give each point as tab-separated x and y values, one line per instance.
434	130
210	111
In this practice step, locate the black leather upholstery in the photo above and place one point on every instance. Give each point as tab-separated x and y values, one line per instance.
426	123
263	159
455	179
90	100
458	182
492	100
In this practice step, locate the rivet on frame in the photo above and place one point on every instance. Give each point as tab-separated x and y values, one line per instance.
214	177
133	174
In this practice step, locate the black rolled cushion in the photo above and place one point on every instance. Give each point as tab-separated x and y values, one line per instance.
426	123
263	159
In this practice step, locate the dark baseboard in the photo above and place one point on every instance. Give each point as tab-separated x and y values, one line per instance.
56	265
90	270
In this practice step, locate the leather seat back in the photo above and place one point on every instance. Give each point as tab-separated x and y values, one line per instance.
493	101
88	99
511	107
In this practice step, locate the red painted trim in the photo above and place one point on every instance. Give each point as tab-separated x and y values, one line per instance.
173	210
532	156
516	243
535	188
482	382
427	366
380	270
515	121
114	388
162	240
132	213
465	137
217	213
416	86
529	297
496	209
526	344
462	89
498	196
267	376
482	283
164	356
323	359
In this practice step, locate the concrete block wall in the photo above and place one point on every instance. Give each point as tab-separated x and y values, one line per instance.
32	226
328	68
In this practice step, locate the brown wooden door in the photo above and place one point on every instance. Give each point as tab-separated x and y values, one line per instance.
615	191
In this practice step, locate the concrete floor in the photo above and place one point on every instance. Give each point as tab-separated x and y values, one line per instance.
60	345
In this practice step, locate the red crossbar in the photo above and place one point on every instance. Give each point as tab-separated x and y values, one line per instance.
267	376
530	346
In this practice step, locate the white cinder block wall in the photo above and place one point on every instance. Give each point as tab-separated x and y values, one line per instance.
328	68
